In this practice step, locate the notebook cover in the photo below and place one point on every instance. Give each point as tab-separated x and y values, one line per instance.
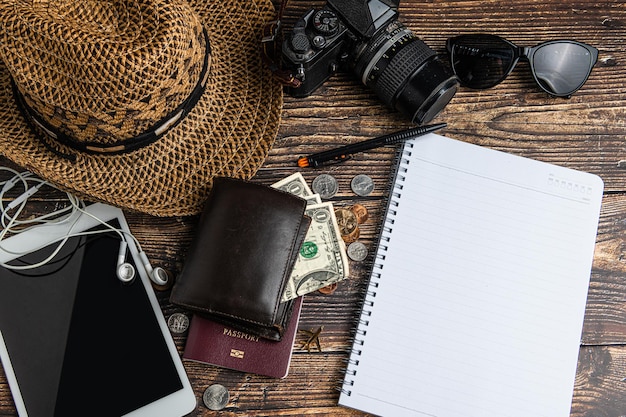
216	344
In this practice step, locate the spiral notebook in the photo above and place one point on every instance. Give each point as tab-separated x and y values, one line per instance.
477	296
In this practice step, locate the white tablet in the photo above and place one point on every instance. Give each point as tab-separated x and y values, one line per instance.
75	340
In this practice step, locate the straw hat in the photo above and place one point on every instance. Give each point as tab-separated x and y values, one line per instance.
137	103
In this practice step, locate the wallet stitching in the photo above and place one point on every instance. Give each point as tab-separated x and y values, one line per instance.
285	267
219	313
294	238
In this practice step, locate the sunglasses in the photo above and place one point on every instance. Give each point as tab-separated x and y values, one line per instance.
559	67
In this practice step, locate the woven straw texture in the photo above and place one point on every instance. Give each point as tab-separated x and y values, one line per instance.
106	71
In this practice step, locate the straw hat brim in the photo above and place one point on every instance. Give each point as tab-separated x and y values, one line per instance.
228	133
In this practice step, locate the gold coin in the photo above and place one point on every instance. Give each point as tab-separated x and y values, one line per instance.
328	289
351	237
360	212
346	220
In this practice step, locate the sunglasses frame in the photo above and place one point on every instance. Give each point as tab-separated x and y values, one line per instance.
526	53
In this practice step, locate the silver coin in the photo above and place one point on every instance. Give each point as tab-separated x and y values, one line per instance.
362	185
357	251
325	185
215	397
178	323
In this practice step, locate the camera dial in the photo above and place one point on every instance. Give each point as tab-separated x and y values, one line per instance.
326	22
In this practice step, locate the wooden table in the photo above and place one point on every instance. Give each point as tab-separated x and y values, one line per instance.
586	132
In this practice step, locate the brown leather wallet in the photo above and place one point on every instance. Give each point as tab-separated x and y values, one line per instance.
236	270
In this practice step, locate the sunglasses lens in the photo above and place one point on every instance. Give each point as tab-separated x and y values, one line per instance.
481	61
561	68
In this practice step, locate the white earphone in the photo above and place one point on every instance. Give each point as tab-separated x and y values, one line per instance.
158	275
11	224
125	271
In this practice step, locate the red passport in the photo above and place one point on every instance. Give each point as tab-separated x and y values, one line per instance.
216	344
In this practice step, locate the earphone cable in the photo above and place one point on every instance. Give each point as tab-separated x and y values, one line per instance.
12	224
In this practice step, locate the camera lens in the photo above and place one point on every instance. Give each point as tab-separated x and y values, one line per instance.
405	73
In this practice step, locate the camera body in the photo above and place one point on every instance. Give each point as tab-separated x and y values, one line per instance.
366	37
314	49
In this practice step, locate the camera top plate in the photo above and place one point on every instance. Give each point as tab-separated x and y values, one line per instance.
365	17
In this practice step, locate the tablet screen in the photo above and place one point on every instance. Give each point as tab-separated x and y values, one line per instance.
79	340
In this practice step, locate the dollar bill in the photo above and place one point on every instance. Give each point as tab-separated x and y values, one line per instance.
313	199
294	184
322	260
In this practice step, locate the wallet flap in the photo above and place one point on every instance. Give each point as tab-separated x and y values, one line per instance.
246	244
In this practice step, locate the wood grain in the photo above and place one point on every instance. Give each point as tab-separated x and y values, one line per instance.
586	132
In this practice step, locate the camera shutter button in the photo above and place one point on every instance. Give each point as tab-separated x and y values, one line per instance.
319	42
300	42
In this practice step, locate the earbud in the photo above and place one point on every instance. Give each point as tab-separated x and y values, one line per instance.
9	223
125	271
158	275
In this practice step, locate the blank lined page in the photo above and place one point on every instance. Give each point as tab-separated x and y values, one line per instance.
478	294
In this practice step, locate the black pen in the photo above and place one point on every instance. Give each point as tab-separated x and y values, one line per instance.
344	152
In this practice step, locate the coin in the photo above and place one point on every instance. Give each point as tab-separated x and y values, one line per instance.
352	236
357	251
325	185
346	220
362	185
329	289
178	323
360	212
215	397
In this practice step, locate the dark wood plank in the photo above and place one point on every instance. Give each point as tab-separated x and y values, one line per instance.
600	381
585	132
605	316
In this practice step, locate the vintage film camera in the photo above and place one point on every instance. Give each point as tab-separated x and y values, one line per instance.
366	37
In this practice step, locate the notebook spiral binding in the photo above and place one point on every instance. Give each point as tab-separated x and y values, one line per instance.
360	332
